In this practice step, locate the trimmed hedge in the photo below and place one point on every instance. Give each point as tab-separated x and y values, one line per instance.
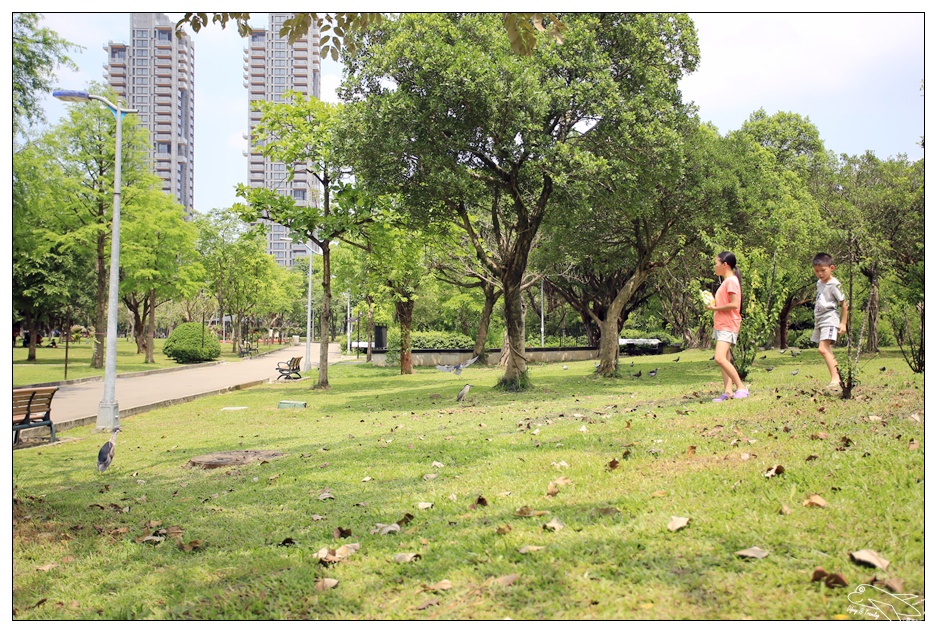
185	344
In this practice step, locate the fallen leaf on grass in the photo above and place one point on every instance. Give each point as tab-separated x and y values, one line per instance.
529	548
437	464
480	502
328	555
552	489
427	604
316	517
677	523
754	552
68	559
915	417
504	494
429	477
812	457
914	444
152	524
504	529
560	465
894	584
326	496
425	505
583	429
714	431
442	585
325	583
874	418
776	470
814	500
385	529
150	539
658	493
784	510
507	580
45	568
194	545
341	532
690	451
605	511
867	557
553	525
405	558
366	479
819	436
613	464
528	512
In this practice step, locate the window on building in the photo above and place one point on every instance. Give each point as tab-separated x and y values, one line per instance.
299	194
256	38
141	33
141	81
118	53
163	35
163	148
141	62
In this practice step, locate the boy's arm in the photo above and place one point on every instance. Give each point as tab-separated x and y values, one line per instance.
843	325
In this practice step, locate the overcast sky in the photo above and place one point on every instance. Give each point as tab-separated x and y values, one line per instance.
858	77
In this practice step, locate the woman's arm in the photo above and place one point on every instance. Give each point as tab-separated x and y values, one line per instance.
734	302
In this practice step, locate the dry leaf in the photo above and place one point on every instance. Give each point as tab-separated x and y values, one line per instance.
194	545
529	549
914	444
584	428
528	512
895	585
754	551
504	529
325	583
442	585
690	451
812	457
316	517
453	497
868	557
437	464
815	500
835	580
605	511
658	493
326	496
152	524
560	465
504	494
915	417
385	529
429	477
507	580
47	567
677	523
819	435
366	479
341	532
405	558
776	470
818	574
552	489
613	464
714	431
428	603
784	510
68	559
553	525
425	505
874	418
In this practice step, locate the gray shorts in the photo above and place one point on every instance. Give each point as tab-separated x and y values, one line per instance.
826	332
720	335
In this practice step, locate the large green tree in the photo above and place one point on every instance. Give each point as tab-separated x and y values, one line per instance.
446	115
37	51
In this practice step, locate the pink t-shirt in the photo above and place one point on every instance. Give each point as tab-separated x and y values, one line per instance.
728	320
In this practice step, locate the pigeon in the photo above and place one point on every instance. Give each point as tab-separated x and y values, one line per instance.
456	368
712	358
768	368
632	363
795	372
782	350
763	357
883	368
106	453
638	374
565	368
653	372
795	352
677	359
462	393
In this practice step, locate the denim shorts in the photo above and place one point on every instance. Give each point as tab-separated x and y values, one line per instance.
720	335
829	332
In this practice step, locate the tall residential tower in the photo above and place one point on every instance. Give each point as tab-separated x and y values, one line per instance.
155	73
273	67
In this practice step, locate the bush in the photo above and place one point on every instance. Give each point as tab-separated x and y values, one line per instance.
185	344
663	336
430	340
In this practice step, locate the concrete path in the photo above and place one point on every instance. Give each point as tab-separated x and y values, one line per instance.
77	404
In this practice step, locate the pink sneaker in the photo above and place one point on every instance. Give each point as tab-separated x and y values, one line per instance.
721	398
741	394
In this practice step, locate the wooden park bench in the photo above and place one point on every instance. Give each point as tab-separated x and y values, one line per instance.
289	369
32	408
248	350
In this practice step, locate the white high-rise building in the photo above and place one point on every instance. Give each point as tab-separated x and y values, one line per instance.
273	67
155	74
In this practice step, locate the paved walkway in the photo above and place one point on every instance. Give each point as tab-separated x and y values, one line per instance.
77	404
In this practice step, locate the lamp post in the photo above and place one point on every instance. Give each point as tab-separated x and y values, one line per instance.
108	412
308	356
349	322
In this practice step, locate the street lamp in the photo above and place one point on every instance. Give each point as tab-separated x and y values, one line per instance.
108	411
308	357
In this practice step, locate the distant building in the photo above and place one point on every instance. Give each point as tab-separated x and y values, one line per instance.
273	67
155	74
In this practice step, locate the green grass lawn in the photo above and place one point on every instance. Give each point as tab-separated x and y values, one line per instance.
49	365
613	461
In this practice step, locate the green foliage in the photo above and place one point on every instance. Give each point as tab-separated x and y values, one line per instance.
909	329
191	342
662	335
36	53
430	340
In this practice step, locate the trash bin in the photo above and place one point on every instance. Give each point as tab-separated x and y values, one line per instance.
295	340
380	336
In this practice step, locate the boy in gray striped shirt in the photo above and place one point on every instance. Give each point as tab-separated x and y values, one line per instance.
829	325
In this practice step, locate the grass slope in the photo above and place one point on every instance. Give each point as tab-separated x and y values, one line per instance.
257	528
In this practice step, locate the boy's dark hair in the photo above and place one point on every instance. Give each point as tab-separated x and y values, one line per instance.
822	259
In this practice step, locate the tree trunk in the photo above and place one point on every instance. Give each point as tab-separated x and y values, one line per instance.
370	328
491	294
31	327
609	350
513	356
404	311
151	327
325	318
874	310
783	323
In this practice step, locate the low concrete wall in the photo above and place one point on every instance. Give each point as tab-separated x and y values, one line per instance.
432	357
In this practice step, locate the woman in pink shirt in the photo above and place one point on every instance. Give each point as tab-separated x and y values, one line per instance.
727	317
